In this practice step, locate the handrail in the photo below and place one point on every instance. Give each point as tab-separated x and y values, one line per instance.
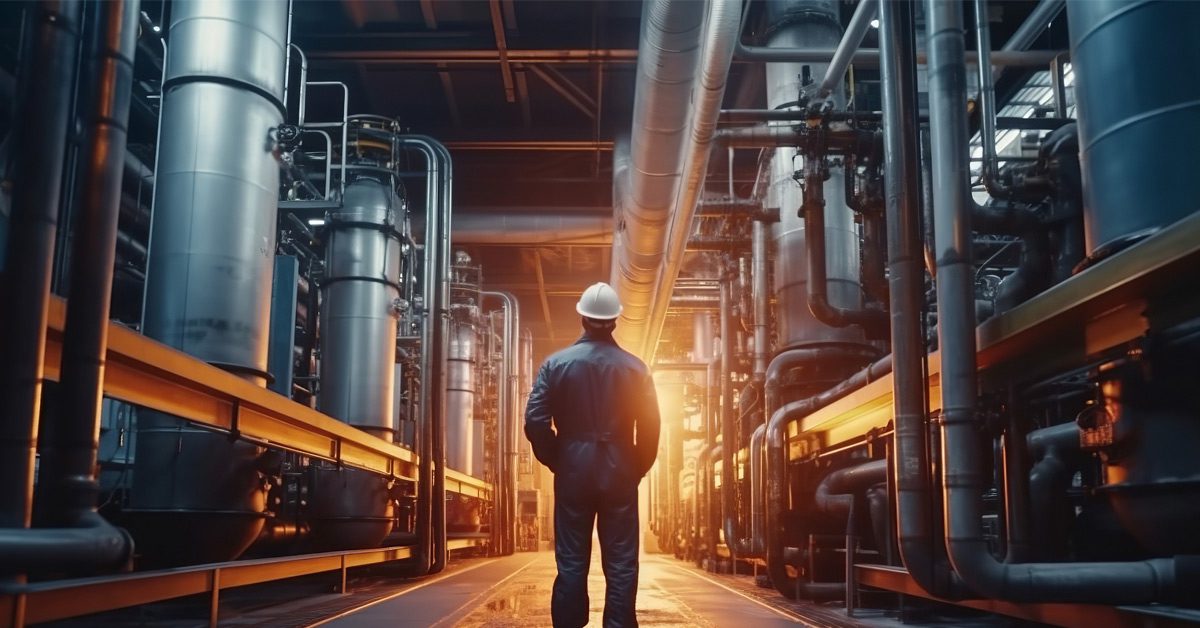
146	373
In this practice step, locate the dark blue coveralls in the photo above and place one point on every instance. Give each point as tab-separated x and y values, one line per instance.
601	401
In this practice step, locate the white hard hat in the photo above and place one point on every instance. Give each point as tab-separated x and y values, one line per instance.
600	302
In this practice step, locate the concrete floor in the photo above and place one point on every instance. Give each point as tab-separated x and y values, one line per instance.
515	591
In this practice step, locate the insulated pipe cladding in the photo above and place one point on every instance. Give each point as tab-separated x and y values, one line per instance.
208	282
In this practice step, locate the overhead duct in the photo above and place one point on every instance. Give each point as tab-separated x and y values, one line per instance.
721	32
209	272
668	54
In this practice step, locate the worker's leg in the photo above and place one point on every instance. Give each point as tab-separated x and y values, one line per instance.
574	517
617	523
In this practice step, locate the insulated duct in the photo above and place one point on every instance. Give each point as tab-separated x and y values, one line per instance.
208	282
721	30
668	55
963	477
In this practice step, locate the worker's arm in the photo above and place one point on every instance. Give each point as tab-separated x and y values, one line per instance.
538	415
646	427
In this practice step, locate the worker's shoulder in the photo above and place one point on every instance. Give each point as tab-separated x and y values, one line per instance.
592	351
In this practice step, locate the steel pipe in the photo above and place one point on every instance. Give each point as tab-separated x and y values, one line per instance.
721	31
1160	579
912	479
860	23
670	49
431	483
507	439
869	57
777	488
38	149
761	297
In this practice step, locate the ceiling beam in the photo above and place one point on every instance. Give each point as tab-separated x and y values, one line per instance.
502	49
584	55
567	90
523	96
541	280
427	13
530	145
448	90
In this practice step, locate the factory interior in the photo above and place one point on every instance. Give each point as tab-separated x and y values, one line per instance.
917	282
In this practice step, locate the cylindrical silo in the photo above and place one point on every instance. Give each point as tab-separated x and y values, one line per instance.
460	397
359	307
209	269
808	24
351	508
1139	115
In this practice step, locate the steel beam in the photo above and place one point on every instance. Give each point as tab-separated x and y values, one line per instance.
566	89
561	55
502	48
541	280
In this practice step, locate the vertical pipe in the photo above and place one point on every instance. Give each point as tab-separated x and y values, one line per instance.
44	97
67	481
906	283
1161	579
758	253
728	429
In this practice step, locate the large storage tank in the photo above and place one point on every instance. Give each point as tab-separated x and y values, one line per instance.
1139	115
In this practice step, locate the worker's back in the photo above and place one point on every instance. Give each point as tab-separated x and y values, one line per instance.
599	395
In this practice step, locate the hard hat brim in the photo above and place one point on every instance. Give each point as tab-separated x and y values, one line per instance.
611	317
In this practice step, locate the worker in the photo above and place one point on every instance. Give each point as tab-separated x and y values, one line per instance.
592	418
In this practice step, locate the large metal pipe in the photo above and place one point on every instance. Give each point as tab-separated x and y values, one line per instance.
734	537
79	536
668	53
962	475
757	519
211	258
720	33
431	482
912	479
38	150
506	440
860	23
359	306
868	57
777	489
761	297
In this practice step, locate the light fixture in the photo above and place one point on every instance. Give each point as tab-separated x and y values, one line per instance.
316	222
875	23
156	28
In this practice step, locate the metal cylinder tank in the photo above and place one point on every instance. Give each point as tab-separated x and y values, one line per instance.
351	508
812	24
460	396
360	295
208	283
1139	117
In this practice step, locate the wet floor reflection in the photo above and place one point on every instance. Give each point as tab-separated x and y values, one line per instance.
667	596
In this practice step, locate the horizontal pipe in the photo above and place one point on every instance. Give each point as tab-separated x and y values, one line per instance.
399	56
869	57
